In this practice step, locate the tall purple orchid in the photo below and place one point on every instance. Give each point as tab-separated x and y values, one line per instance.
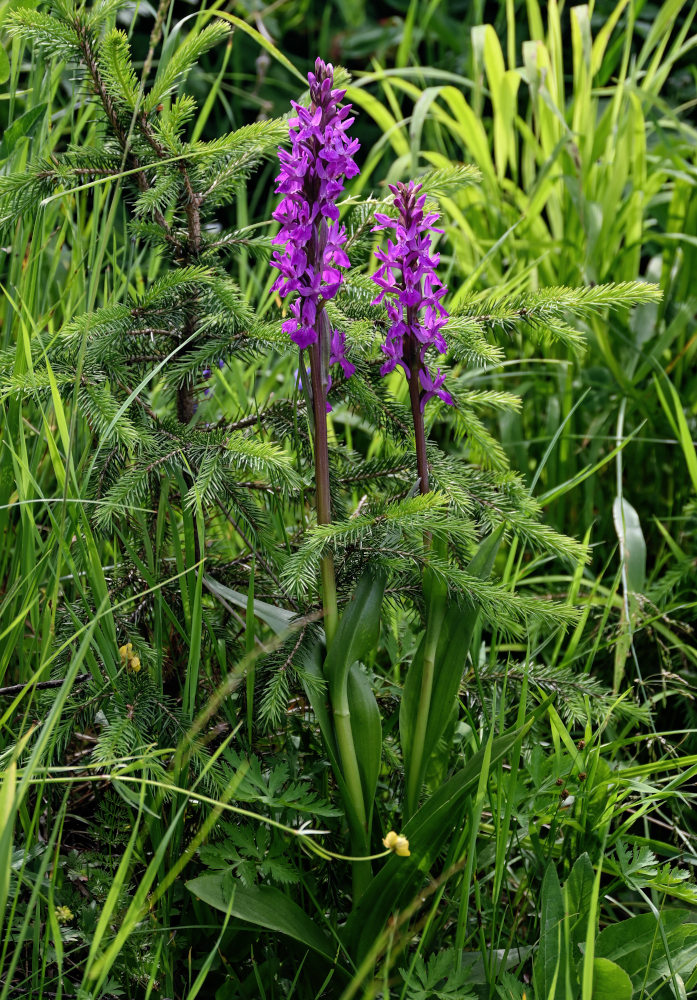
408	280
311	179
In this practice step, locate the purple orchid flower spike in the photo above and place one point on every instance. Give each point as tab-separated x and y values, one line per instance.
311	179
412	292
407	278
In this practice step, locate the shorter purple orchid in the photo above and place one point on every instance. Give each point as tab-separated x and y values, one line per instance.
407	278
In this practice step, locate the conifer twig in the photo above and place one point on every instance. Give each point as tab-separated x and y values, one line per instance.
6	692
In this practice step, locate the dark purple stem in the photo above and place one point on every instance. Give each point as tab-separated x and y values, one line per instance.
319	356
419	432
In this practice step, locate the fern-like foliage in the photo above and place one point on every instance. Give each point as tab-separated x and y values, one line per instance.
640	869
440	977
191	317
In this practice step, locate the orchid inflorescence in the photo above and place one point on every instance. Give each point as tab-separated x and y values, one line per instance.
407	278
311	180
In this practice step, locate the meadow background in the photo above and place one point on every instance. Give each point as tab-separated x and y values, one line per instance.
135	798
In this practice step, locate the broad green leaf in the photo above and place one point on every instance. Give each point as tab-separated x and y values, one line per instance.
578	892
467	125
316	691
421	681
637	946
503	88
366	726
357	633
21	128
278	619
317	696
4	65
548	967
355	744
449	663
610	982
264	906
633	554
582	123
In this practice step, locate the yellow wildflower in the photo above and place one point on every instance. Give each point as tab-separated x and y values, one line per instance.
397	843
128	660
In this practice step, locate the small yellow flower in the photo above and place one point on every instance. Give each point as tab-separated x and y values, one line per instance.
126	652
64	914
128	660
397	843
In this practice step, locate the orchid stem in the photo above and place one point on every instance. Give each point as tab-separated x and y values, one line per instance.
324	508
419	432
